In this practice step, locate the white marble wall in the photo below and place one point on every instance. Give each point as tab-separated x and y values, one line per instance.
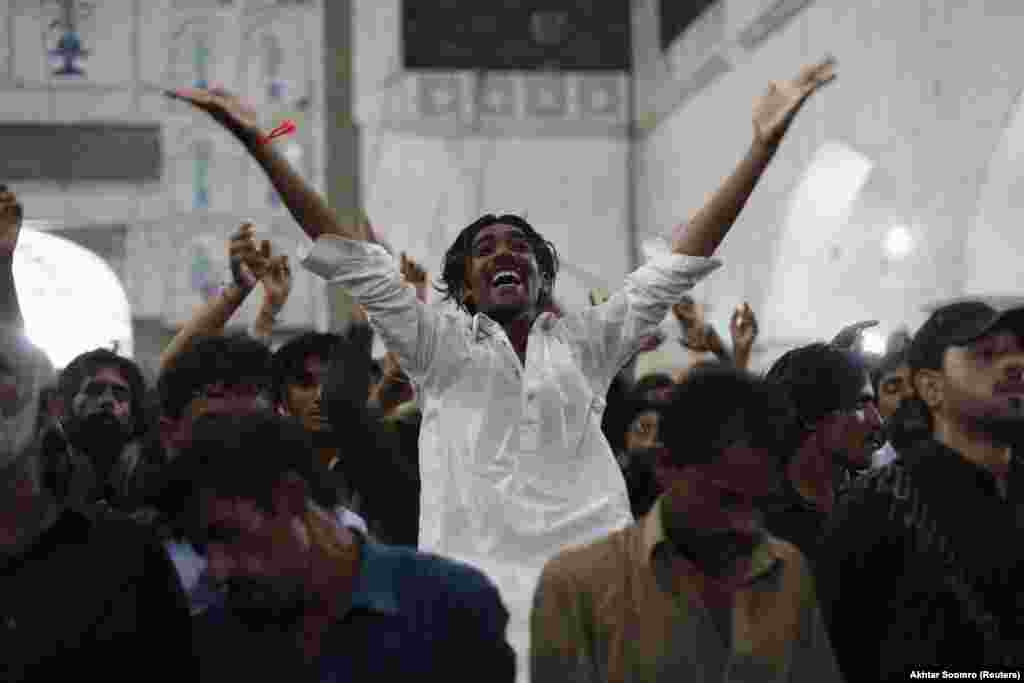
137	49
911	134
441	149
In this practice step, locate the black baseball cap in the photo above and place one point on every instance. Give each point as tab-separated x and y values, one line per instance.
959	324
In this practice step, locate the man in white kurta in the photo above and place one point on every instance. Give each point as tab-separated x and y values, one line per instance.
513	462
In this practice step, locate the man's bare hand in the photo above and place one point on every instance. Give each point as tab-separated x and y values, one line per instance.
248	263
775	110
413	273
851	337
743	327
277	282
226	109
10	222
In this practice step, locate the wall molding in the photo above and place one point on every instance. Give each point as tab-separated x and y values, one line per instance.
706	51
504	104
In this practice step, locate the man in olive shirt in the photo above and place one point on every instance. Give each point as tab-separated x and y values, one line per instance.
696	590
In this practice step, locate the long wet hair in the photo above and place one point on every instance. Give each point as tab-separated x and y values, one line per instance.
453	274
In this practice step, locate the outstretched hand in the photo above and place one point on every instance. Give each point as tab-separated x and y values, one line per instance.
10	222
248	263
743	327
775	110
851	336
226	109
412	272
277	282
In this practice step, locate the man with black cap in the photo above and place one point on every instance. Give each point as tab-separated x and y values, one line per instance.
922	563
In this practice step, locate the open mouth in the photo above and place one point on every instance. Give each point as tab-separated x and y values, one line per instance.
505	280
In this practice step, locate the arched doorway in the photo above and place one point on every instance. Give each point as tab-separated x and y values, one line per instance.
71	299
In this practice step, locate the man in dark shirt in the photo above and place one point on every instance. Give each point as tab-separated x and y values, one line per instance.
307	599
921	568
89	597
384	469
839	430
92	454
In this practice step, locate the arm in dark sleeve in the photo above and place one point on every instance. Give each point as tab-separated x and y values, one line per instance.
857	563
480	622
164	635
387	484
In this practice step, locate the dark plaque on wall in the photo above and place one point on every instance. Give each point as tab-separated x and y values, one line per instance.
516	35
80	152
677	15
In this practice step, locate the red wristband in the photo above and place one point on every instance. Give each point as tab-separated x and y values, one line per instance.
286	128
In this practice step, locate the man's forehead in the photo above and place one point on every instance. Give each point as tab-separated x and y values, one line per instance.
898	372
107	373
997	335
745	465
499	230
228	404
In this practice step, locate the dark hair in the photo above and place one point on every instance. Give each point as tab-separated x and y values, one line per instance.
642	484
232	359
648	383
347	388
238	456
615	419
376	371
288	362
88	364
717	405
910	424
890	362
819	379
453	274
652	393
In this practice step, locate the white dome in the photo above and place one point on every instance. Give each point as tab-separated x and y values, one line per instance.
71	299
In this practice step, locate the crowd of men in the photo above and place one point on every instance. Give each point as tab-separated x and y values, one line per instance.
516	491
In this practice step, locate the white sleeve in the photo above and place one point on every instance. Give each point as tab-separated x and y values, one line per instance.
367	272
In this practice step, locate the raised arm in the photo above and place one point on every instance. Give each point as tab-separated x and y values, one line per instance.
248	265
11	320
415	275
743	330
306	206
24	369
773	113
346	258
277	285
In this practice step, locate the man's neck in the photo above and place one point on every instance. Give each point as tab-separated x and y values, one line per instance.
975	447
518	332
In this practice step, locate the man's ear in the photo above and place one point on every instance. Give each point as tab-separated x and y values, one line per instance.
930	386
